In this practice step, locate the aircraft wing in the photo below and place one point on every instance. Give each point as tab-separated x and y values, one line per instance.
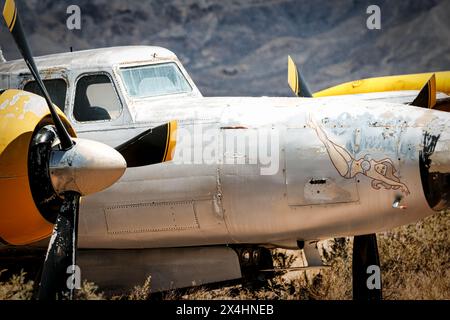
390	83
403	97
426	90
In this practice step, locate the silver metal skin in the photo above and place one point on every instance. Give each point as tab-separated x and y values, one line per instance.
173	204
88	167
309	194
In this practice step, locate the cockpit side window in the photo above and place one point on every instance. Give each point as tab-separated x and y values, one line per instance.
56	88
96	99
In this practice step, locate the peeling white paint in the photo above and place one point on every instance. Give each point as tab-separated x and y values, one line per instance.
4	105
16	98
35	105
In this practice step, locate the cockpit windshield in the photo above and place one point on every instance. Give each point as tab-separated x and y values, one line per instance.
154	80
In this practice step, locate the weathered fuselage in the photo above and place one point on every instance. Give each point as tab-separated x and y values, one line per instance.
259	170
267	171
246	172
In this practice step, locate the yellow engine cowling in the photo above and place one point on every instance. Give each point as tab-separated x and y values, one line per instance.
20	114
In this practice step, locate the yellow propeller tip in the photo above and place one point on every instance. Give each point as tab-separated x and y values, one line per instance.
10	13
293	76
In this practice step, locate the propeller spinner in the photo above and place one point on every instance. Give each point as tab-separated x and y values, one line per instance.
77	167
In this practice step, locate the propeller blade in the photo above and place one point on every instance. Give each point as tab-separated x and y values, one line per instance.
12	19
427	95
296	81
61	254
153	146
365	254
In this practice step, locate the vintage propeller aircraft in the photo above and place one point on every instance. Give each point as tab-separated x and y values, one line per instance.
247	174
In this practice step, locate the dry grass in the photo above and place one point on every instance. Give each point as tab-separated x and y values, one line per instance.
415	261
17	288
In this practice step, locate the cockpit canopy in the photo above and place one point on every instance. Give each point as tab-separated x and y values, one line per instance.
154	80
99	85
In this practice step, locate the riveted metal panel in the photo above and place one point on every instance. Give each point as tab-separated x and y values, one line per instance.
311	178
151	217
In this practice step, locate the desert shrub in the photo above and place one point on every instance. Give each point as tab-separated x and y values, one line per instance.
16	288
416	259
141	292
89	291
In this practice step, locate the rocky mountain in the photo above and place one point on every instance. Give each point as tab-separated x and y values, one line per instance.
240	47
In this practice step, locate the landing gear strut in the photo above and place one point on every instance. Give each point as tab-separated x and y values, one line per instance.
366	268
253	259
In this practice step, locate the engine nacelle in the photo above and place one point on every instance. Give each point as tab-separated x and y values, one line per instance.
22	115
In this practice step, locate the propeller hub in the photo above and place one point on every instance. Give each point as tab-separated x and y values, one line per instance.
86	168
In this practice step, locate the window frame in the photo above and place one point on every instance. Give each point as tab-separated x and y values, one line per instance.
95	73
67	98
